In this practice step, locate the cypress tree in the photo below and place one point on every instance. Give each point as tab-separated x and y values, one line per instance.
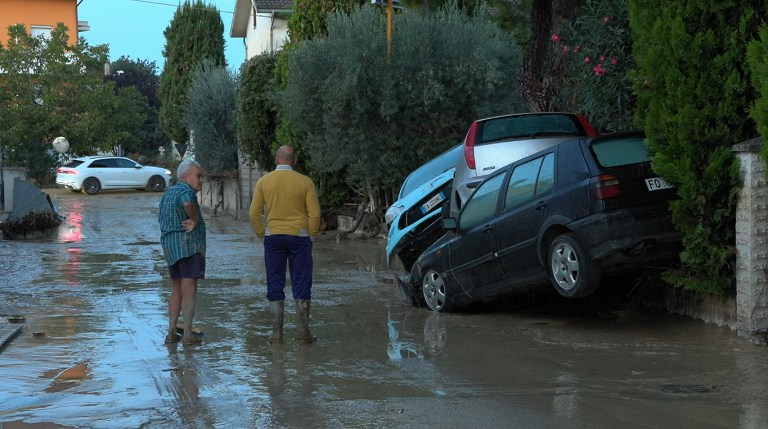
195	33
692	99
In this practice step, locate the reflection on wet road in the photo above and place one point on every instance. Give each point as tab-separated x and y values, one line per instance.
97	288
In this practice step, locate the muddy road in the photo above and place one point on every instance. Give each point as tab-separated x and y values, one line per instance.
97	288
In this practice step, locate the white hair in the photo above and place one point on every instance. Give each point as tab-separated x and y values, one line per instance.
184	168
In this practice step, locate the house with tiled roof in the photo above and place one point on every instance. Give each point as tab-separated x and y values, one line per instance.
262	24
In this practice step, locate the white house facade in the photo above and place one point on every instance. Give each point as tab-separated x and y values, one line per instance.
262	24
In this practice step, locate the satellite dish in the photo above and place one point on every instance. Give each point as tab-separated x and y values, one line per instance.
60	144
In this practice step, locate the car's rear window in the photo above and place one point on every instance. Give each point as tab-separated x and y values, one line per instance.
433	168
512	127
73	164
615	152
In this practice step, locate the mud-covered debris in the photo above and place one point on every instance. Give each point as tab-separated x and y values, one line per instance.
16	228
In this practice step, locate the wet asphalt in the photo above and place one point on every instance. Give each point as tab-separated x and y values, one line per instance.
97	288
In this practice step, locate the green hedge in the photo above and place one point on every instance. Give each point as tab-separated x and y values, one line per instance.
693	97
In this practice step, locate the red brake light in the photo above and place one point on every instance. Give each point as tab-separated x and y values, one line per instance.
64	171
605	186
587	126
469	146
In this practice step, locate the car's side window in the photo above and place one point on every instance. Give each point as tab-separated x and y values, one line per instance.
522	184
124	163
482	205
103	163
546	175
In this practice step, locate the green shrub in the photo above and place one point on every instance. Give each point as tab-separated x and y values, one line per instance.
379	121
692	97
599	55
256	111
211	117
757	58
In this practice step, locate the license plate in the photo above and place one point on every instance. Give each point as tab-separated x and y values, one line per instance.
657	183
429	205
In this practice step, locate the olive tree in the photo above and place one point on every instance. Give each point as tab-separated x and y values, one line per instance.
212	117
379	121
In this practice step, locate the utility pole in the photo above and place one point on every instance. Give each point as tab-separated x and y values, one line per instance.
389	32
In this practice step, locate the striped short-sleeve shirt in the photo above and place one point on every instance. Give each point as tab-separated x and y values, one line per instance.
177	243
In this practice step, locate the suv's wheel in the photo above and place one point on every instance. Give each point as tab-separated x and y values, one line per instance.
435	291
571	270
91	186
156	184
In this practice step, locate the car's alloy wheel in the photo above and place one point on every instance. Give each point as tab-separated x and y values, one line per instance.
435	291
91	186
571	270
156	184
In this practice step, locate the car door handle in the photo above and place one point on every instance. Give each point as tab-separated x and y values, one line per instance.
487	228
542	205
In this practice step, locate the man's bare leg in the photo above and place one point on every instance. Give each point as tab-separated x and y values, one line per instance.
188	297
174	308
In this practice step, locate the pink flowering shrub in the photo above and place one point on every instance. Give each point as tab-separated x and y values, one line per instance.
601	92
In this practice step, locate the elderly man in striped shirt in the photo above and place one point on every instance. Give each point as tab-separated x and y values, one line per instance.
183	239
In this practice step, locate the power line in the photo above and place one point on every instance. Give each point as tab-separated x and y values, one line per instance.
175	5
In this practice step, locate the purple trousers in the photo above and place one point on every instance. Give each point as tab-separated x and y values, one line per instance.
296	251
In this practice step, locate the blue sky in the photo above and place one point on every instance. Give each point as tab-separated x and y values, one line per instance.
135	28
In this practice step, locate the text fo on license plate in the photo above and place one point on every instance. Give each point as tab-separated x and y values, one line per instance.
657	183
437	199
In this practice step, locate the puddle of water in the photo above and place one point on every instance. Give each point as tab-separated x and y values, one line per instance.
378	363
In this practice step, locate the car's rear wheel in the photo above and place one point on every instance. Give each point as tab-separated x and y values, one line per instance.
91	186
156	184
435	291
571	270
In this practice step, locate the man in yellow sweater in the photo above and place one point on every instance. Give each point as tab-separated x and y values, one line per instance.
293	216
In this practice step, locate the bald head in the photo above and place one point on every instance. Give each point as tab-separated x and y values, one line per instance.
285	156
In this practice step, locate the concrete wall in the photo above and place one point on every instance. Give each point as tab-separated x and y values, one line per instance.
220	197
249	175
752	244
9	174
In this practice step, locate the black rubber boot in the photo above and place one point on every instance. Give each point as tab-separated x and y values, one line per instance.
302	321
276	310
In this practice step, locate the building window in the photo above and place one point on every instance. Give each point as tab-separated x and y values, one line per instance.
41	30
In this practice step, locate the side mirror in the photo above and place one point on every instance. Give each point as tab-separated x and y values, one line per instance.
138	166
450	223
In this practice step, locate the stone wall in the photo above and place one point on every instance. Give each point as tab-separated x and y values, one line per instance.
220	196
249	175
752	244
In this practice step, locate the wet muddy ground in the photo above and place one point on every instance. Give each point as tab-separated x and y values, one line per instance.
97	288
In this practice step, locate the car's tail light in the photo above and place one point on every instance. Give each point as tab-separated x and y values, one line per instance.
469	146
64	171
587	126
605	186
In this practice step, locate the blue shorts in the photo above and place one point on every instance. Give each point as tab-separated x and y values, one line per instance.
192	267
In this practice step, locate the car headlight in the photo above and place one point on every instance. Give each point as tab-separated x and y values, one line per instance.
392	213
168	172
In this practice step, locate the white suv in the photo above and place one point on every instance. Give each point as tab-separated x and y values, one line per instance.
93	173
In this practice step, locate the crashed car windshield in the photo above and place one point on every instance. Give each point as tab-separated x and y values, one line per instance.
430	170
